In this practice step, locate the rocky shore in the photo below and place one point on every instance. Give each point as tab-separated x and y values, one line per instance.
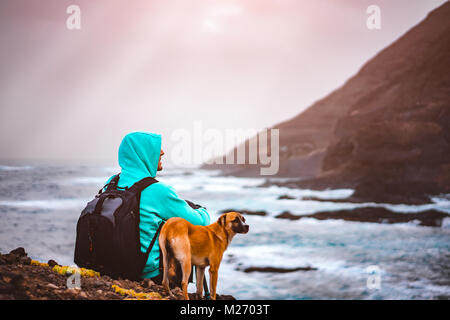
22	278
430	218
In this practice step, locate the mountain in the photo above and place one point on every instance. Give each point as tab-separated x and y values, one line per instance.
386	131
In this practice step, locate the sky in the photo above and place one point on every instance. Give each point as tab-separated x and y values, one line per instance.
165	66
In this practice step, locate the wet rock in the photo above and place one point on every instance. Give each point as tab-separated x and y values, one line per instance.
432	218
225	297
247	212
277	269
285	197
287	215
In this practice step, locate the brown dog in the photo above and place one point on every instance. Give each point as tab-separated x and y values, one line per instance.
200	246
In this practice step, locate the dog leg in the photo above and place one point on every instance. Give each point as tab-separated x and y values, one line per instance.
182	251
199	275
186	267
165	257
213	275
172	273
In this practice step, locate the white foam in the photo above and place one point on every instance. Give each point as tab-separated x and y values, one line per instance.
100	181
14	168
446	223
46	204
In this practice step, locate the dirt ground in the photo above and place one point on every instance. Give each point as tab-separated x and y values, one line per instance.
22	278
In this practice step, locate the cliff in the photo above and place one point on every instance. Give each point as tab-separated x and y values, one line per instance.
386	131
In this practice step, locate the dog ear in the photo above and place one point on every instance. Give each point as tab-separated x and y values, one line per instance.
223	220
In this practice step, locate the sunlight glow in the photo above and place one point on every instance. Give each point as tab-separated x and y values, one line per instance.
215	17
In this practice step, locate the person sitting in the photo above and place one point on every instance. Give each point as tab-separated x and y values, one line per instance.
140	155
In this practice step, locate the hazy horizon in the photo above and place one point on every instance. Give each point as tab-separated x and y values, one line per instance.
161	66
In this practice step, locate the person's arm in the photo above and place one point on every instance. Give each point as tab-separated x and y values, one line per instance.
170	205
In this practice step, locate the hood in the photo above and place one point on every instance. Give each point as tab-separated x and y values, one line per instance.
139	155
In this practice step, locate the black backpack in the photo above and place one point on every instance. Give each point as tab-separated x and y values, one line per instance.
108	236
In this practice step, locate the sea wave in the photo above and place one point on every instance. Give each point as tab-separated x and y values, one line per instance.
46	204
14	168
340	250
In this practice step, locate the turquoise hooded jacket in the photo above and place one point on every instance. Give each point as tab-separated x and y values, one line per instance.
139	155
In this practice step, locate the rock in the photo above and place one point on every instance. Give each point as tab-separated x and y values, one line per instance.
247	212
52	263
225	297
10	258
285	197
287	215
177	292
97	283
73	290
19	252
430	218
52	286
277	269
147	283
25	260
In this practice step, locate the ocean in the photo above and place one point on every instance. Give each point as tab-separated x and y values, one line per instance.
40	205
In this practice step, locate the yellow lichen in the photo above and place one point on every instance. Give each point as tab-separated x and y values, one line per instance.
133	295
37	263
130	294
66	270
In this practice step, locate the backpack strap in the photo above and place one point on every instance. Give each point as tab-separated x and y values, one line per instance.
113	183
153	240
142	184
137	188
152	243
